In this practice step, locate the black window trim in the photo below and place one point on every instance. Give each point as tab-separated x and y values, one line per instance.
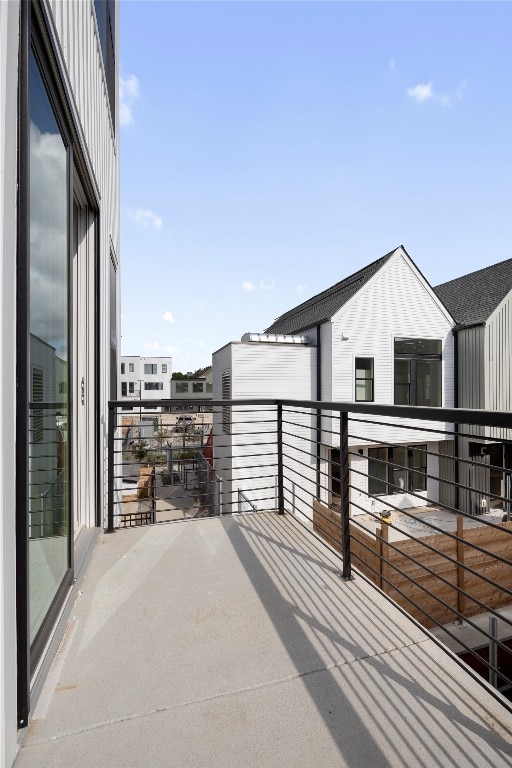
414	358
372	380
410	469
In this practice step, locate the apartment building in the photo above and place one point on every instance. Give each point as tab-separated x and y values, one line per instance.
59	289
381	335
145	378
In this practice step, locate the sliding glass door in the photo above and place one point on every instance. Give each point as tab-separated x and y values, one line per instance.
48	353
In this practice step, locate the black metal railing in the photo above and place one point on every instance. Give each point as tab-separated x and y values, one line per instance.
416	500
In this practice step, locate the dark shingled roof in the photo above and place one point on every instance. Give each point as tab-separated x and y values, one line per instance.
471	299
324	305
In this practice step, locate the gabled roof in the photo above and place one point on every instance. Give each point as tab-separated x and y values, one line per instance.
320	308
471	299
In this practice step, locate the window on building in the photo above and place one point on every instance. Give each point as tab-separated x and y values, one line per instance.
122	367
153	385
226	395
197	386
208	387
181	387
397	469
131	367
131	387
123	389
364	379
164	368
418	368
150	369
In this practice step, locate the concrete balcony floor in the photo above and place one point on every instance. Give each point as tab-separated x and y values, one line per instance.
234	642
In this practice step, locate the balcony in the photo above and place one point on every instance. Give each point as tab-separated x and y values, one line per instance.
291	616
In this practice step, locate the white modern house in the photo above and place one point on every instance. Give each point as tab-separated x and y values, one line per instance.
59	310
145	378
381	335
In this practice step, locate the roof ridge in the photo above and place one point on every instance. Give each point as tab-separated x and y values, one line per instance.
345	283
475	272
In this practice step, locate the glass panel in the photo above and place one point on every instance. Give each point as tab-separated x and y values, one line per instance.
417	346
418	461
197	386
48	355
377	471
402	382
182	386
364	379
398	471
428	382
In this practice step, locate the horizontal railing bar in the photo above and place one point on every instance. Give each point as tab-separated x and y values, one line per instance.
474	417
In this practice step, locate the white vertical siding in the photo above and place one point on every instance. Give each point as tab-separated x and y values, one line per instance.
395	302
222	443
76	31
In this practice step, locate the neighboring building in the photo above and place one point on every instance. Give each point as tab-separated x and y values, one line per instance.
265	367
145	378
59	288
481	305
381	335
191	388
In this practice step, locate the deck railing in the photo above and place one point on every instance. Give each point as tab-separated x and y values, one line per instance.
416	500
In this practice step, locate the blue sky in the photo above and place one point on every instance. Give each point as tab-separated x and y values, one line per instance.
269	149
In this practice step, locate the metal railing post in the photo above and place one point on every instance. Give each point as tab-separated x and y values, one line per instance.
493	651
345	496
110	468
280	474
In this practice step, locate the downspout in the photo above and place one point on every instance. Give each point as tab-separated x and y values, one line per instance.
318	413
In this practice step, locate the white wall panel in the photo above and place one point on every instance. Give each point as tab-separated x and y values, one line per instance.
395	302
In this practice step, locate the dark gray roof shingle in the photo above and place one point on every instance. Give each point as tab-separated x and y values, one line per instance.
324	305
471	299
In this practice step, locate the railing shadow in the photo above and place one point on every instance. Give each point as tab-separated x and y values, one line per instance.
366	674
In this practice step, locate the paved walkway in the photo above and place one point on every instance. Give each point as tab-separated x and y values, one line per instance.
234	642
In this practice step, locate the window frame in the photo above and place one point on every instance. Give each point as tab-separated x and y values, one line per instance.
370	379
392	467
413	358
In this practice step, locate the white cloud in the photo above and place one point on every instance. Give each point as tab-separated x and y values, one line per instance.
151	345
171	350
128	93
146	217
202	343
48	241
299	288
421	92
168	316
248	286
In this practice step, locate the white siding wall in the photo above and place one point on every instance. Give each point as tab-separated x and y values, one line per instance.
138	378
222	450
76	35
274	371
9	31
395	302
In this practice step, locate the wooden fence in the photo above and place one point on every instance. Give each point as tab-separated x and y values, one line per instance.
411	571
